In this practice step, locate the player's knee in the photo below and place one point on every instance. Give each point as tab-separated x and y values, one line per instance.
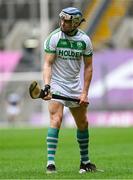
56	121
82	126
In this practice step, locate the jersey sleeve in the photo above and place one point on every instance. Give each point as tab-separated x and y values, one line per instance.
89	49
50	44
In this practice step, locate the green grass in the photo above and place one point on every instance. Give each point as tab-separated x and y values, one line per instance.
23	154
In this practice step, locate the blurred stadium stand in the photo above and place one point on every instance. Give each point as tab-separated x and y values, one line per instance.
25	24
104	18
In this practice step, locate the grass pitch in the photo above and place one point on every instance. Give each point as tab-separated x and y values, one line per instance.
23	154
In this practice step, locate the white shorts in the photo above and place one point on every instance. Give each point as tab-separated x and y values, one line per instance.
72	90
69	104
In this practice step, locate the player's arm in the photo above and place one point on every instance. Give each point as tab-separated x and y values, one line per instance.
88	69
47	71
47	68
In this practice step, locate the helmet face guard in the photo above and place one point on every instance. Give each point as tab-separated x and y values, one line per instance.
74	18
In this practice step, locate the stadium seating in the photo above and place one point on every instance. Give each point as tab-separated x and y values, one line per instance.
102	18
110	20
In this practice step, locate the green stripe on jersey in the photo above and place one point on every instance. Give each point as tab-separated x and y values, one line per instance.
88	55
49	37
50	51
77	45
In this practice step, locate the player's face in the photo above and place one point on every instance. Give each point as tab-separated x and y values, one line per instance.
66	25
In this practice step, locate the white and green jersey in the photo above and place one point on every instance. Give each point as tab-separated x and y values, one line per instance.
69	52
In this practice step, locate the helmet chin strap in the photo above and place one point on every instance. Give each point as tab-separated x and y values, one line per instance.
72	32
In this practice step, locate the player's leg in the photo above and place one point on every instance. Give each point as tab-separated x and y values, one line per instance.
80	117
56	113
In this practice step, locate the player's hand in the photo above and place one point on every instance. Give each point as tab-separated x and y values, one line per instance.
83	99
46	92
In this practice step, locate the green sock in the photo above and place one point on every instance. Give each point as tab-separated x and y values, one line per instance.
52	140
83	140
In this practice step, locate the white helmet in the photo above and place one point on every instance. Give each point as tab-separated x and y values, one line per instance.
72	13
